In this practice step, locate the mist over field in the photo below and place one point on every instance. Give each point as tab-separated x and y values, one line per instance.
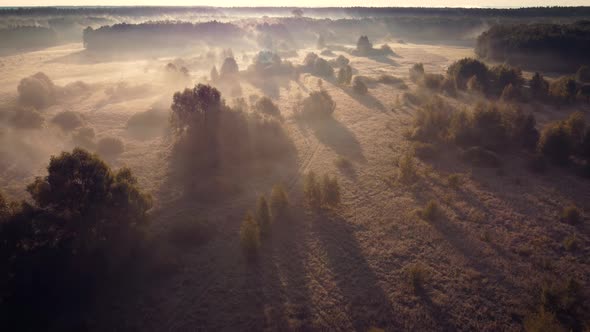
367	169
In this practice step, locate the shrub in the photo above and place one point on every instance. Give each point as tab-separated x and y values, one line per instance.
570	243
464	69
448	86
340	61
417	275
431	211
68	120
312	190
555	143
344	75
37	91
267	106
504	75
510	93
330	191
408	172
539	87
364	46
359	86
27	118
279	202
110	146
319	104
583	74
322	68
214	74
481	157
454	181
416	72
488	127
432	81
262	216
432	120
571	215
563	89
250	236
386	50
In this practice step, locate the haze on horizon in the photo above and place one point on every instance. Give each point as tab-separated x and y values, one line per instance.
302	3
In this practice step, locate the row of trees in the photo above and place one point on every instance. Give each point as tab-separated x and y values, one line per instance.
544	46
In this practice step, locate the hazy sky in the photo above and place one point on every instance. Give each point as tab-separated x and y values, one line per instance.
302	3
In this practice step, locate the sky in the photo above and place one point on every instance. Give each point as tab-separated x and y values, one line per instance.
301	3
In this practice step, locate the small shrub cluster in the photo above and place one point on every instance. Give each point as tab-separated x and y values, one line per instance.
359	86
321	193
318	104
317	66
37	91
257	227
408	170
339	62
265	105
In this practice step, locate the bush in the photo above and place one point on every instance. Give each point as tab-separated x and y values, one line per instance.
267	106
250	236
339	62
417	275
68	120
408	172
37	91
364	46
27	118
454	181
312	190
110	146
322	68
262	216
510	93
344	75
359	86
432	120
463	70
319	104
571	215
330	191
481	157
489	128
542	321
539	87
563	89
416	72
555	143
84	137
475	85
432	81
279	202
504	75
431	211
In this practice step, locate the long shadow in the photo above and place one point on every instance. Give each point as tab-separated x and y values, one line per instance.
366	100
333	134
385	60
270	86
367	305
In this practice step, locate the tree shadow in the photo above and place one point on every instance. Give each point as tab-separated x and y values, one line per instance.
270	86
366	100
367	305
335	135
385	60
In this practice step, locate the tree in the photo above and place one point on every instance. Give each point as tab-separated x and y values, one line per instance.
416	72
267	106
363	45
214	74
263	216
344	75
196	105
319	103
37	91
330	191
250	235
229	68
312	190
279	202
539	86
463	70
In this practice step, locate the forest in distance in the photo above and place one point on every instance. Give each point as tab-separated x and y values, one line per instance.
278	169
